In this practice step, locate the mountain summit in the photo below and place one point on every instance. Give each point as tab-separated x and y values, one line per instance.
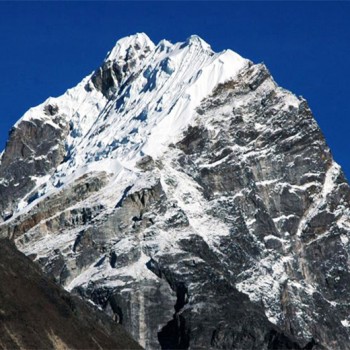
190	197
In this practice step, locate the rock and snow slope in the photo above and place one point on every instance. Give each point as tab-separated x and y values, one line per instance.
190	197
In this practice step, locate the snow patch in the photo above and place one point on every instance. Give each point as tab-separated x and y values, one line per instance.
345	323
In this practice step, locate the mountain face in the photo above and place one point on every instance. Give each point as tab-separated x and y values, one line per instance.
35	313
190	197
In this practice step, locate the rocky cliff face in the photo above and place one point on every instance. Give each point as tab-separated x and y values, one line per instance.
195	201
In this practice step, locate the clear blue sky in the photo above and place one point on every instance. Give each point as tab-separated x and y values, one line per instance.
47	47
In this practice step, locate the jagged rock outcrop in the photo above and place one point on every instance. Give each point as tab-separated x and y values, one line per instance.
34	149
36	313
197	203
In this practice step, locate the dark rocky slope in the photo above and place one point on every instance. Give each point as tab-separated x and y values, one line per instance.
35	313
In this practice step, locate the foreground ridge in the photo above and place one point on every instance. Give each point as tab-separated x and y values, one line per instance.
37	314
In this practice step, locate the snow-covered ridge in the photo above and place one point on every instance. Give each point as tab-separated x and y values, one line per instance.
124	46
154	101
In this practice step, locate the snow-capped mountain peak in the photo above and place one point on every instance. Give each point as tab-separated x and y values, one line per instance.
174	177
126	46
139	101
196	40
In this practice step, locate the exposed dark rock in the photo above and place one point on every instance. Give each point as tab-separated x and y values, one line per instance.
27	156
51	109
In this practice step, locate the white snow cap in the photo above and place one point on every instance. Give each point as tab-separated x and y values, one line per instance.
195	39
139	41
146	113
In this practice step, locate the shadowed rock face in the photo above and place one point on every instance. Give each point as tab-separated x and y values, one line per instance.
109	76
27	157
82	188
35	313
236	237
